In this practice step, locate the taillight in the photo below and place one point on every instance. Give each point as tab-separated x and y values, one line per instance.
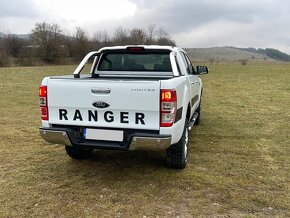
168	104
43	102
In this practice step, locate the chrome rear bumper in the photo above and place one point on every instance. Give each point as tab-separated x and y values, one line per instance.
148	143
55	137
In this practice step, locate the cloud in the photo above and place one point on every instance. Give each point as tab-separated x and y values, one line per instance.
192	23
260	23
86	11
185	14
18	16
17	9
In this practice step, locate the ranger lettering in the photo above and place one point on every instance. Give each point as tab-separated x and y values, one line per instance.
108	116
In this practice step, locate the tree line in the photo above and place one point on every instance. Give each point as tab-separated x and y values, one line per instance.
49	43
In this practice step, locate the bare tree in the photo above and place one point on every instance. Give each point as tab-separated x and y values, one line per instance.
51	43
101	39
163	37
137	36
151	34
81	44
10	47
161	33
48	39
13	44
4	57
121	36
68	42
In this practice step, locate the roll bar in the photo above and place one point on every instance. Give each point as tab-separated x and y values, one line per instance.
77	71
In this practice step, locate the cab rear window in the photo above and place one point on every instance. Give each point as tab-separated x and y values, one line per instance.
135	61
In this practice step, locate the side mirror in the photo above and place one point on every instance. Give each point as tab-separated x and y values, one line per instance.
201	70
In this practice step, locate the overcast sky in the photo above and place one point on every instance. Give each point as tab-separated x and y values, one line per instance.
191	23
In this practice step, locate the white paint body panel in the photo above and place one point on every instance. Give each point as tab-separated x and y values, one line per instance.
126	96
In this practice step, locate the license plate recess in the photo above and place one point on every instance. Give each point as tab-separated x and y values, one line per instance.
103	134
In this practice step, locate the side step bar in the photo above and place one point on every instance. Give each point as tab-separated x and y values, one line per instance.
192	121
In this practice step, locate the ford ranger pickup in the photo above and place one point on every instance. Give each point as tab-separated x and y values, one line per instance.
132	98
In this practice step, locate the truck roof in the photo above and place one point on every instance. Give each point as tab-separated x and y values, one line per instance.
171	48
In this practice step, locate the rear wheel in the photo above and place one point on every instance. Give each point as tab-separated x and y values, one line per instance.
176	154
78	153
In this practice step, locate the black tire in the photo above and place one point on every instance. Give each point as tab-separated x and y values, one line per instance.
198	110
78	153
176	154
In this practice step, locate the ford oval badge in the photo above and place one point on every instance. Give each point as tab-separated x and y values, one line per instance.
101	104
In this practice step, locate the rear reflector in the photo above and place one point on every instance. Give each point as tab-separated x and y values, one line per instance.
44	113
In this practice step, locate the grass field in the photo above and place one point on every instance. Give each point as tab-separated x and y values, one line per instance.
239	157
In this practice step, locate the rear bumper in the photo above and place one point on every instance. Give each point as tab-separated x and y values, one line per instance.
134	141
55	137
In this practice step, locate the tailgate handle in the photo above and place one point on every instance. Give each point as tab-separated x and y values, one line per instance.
101	90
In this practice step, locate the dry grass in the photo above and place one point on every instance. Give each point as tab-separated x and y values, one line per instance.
238	163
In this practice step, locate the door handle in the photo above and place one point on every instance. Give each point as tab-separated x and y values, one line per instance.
101	90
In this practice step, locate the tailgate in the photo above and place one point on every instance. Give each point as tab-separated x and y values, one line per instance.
104	103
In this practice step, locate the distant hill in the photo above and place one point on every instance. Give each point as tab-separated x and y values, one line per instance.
270	52
21	36
225	54
235	54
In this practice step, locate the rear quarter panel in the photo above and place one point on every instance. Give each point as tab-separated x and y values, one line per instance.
181	85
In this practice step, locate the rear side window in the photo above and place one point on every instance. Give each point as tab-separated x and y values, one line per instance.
187	63
138	61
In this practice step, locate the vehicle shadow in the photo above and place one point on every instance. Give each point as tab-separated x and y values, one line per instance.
118	166
123	159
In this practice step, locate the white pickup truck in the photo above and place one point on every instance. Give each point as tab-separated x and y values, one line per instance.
134	98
